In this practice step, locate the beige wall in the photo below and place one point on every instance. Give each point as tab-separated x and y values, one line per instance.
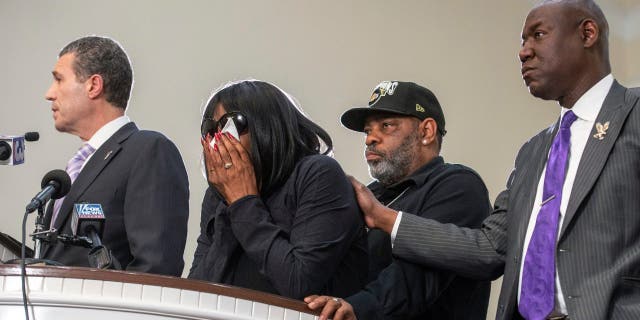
328	54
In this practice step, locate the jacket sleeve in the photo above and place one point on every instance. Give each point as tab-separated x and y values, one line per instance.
473	253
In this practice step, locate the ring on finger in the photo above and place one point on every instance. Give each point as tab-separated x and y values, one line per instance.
228	165
336	299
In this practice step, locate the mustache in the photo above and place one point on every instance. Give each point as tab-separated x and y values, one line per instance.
372	149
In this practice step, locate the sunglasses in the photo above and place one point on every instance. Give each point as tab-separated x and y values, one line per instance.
211	126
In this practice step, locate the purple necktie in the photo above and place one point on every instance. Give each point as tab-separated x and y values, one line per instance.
73	169
537	295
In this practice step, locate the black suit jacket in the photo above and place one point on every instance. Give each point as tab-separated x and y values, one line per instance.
598	251
140	180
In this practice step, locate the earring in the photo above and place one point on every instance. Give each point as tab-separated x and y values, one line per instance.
424	142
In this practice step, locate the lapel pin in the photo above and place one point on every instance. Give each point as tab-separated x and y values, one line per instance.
110	151
601	130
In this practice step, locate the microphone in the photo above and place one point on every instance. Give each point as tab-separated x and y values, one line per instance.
87	221
55	185
12	148
32	136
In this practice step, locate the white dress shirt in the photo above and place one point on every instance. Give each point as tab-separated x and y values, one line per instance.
396	224
586	109
103	134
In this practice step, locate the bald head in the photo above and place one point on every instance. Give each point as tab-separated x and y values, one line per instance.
577	11
564	49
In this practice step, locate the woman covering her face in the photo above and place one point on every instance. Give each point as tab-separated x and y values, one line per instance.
279	215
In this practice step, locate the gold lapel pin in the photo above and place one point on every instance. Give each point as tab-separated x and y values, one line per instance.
601	130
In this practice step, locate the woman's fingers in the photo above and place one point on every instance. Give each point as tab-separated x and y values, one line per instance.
223	150
234	149
211	157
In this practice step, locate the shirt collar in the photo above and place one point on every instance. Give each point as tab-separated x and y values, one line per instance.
418	177
104	133
588	106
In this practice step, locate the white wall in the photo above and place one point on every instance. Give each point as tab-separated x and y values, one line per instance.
328	54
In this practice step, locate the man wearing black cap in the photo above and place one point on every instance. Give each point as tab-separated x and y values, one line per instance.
404	126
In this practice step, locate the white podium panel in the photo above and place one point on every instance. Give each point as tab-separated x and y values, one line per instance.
83	293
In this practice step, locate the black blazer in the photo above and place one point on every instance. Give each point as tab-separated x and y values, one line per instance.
140	180
598	251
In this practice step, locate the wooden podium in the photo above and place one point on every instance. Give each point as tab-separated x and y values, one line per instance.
94	294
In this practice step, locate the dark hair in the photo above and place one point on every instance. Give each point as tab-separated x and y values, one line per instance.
105	57
280	134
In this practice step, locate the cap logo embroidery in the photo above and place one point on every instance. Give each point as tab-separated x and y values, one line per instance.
419	108
384	88
374	97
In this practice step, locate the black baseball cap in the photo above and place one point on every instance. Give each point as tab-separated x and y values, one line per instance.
397	97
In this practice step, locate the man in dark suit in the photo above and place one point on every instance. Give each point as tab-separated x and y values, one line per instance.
137	176
566	231
404	126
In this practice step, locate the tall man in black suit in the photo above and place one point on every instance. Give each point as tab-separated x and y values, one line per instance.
137	176
404	126
581	259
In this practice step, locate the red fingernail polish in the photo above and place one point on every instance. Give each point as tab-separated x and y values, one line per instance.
230	136
215	147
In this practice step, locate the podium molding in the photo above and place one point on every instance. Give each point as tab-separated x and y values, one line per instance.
96	294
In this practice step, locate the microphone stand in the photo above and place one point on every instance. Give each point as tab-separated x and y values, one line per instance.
40	235
38	232
99	256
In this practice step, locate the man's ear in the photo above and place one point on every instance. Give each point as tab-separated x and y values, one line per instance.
428	129
590	32
94	86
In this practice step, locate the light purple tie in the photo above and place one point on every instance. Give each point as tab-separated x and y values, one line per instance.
73	169
537	296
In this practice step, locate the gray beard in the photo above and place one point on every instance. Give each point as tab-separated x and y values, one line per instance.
393	166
